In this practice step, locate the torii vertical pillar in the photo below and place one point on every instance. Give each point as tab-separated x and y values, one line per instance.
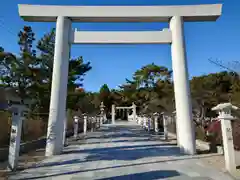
181	87
59	87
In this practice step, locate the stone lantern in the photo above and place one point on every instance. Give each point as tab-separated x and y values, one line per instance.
102	112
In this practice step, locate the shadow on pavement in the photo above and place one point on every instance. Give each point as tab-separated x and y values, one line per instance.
41	175
107	149
127	153
125	140
133	154
151	175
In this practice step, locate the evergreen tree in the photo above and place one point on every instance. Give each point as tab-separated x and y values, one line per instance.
20	71
105	97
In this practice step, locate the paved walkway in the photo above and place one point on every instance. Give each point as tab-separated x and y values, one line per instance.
122	152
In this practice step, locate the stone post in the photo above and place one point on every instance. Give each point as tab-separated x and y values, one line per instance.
98	121
59	87
134	107
144	122
156	115
137	119
181	87
15	138
102	113
105	118
101	120
85	124
121	113
113	114
95	122
174	119
64	131
165	127
76	121
91	120
128	116
225	117
149	123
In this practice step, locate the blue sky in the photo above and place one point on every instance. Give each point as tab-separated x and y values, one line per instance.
113	63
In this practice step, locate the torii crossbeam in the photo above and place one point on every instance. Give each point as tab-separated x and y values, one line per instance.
46	13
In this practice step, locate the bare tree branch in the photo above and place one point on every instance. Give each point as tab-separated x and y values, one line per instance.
233	67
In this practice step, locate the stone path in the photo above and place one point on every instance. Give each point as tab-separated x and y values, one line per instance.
119	152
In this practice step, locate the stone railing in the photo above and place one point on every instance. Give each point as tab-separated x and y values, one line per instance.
41	142
33	145
24	148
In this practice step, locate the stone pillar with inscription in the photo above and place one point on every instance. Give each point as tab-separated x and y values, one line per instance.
15	139
17	111
225	117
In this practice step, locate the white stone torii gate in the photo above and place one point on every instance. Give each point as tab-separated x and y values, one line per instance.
65	15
